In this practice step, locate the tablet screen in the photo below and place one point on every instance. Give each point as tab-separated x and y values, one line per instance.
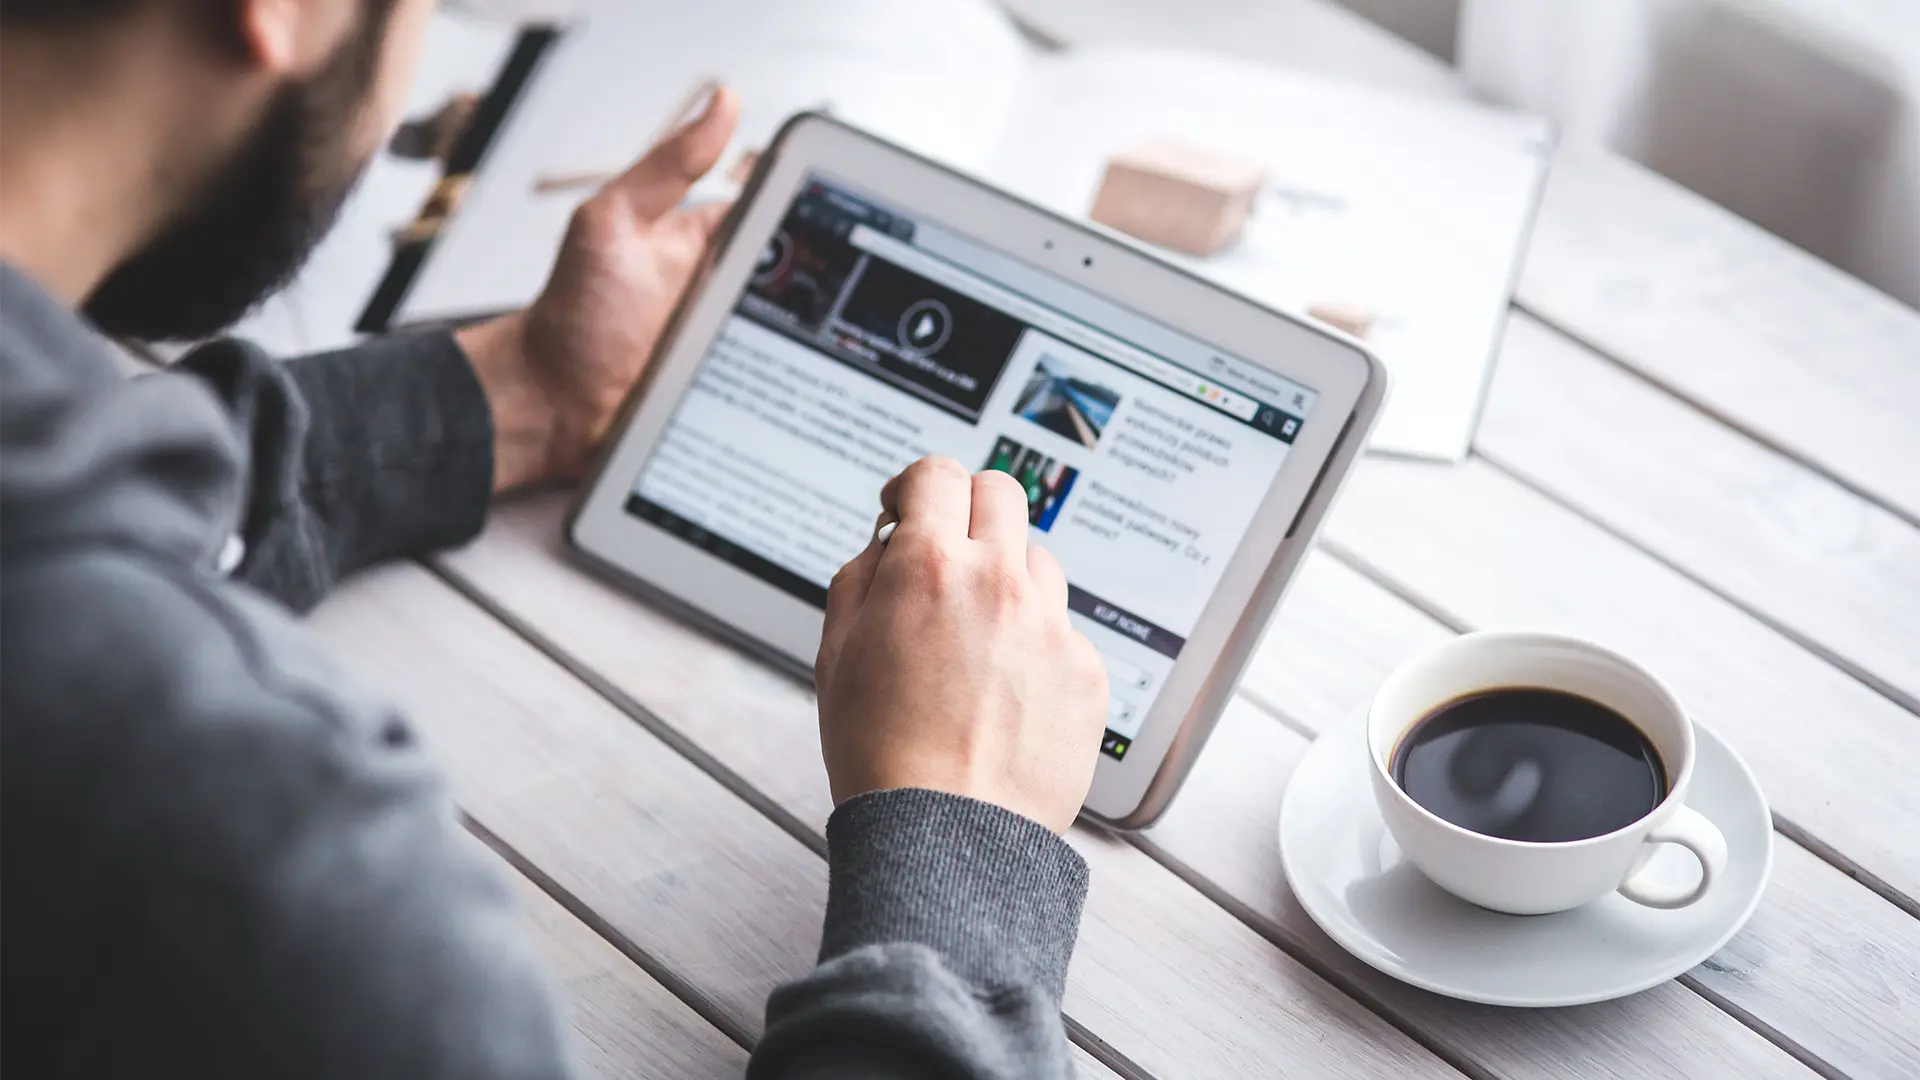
867	339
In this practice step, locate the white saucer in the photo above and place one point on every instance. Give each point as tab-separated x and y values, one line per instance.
1349	875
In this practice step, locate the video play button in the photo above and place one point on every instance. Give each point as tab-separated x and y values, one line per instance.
925	325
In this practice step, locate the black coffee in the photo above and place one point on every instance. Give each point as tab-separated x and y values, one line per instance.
1530	764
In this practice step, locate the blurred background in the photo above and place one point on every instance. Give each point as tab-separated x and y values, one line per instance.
1802	116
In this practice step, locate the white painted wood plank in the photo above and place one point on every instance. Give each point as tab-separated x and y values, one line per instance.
625	1024
1756	330
1824	961
1161	974
1817	560
792	778
1834	757
1222	827
674	862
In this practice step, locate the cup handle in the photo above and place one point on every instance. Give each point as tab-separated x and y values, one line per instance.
1688	828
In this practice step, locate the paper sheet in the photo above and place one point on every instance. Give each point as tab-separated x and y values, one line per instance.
1418	212
936	77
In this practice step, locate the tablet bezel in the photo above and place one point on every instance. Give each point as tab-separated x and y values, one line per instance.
1349	381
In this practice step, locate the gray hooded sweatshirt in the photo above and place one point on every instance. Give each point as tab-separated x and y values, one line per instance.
223	860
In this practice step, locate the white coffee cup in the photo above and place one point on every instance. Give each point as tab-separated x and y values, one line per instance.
1527	877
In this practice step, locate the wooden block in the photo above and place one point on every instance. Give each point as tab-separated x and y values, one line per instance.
549	183
1178	196
1351	318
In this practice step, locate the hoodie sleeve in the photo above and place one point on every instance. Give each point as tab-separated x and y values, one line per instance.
357	456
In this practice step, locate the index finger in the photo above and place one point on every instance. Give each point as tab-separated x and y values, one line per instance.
933	496
657	182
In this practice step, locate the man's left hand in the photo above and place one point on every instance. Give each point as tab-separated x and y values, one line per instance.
556	372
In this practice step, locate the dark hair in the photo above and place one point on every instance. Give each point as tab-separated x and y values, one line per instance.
71	14
62	13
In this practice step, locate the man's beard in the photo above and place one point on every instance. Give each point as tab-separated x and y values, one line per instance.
252	227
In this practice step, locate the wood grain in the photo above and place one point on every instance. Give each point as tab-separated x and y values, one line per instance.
673	861
624	1023
1754	330
1833	756
677	867
1783	540
1156	959
1824	962
580	800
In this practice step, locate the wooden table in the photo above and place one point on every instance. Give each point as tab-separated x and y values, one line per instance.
1702	448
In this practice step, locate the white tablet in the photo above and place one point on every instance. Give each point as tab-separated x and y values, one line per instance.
865	307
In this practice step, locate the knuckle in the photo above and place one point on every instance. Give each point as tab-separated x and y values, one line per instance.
594	219
1000	590
837	594
841	577
1088	667
931	566
935	465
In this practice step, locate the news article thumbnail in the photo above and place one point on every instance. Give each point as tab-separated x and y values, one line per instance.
805	265
1046	479
1064	398
928	335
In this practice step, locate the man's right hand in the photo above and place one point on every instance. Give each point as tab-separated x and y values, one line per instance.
948	661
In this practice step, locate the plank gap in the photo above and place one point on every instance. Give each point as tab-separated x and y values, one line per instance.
702	1005
1830	855
637	712
1273	709
1765	1030
1101	1051
1358	563
1085	1039
1858	673
1718	416
1260	925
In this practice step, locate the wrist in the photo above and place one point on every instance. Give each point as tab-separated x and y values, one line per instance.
525	422
997	895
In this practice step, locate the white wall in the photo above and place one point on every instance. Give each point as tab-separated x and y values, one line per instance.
1803	116
1430	24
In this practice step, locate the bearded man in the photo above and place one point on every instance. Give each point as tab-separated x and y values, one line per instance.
221	860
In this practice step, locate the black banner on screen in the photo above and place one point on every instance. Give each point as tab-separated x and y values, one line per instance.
1124	622
953	347
719	546
812	284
